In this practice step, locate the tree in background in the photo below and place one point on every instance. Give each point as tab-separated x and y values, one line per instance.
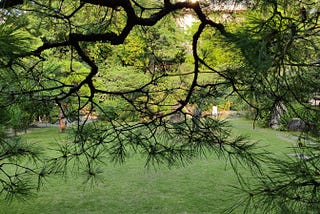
82	48
20	170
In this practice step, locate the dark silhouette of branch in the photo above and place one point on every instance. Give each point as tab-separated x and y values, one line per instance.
10	3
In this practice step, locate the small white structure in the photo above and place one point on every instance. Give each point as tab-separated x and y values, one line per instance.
214	111
315	102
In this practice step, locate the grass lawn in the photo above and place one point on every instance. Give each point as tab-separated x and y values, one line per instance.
204	186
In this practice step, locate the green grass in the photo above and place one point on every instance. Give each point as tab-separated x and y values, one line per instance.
204	186
275	141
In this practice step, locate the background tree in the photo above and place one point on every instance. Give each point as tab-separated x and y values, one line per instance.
20	168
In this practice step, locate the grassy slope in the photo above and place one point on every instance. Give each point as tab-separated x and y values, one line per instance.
201	187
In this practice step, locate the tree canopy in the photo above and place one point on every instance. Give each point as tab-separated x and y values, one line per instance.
132	63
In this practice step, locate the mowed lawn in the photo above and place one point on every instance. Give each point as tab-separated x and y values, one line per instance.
203	186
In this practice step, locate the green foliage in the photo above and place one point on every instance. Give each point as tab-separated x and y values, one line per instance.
19	119
13	40
294	178
19	171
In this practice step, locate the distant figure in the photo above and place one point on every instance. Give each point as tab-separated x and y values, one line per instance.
62	122
196	118
214	111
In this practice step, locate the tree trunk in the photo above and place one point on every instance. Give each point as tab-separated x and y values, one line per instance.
278	110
